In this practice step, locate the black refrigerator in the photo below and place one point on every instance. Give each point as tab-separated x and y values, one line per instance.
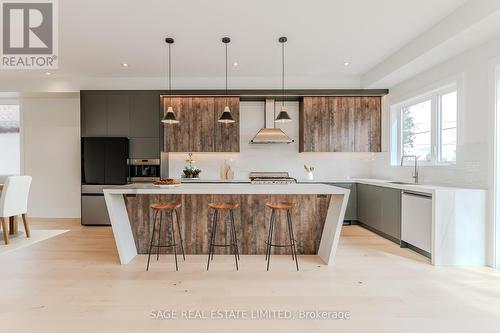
104	163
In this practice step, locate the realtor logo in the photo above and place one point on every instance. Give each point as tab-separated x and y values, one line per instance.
29	34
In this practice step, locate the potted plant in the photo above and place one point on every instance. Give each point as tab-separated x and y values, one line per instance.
191	172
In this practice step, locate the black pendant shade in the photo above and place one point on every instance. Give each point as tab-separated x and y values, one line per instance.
169	116
283	116
226	116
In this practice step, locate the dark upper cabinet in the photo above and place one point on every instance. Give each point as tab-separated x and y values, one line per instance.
340	124
198	129
144	148
118	115
94	117
123	114
144	116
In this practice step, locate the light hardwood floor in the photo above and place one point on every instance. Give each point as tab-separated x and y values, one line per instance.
74	283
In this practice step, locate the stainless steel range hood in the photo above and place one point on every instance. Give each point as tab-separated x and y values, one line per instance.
269	134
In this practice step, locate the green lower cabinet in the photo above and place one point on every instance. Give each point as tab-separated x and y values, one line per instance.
351	210
379	208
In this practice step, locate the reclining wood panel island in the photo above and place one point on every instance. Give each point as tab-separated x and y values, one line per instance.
317	217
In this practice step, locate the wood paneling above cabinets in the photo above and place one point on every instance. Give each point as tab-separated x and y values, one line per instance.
198	129
340	124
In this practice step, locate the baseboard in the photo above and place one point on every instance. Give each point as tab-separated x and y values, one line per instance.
380	233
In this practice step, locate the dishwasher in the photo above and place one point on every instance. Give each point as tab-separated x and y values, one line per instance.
416	220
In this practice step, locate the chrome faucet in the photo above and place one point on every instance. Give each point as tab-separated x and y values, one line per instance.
415	172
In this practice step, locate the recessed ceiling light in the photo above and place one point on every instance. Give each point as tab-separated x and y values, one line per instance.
48	73
235	63
346	63
124	64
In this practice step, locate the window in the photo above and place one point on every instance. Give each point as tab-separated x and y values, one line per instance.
10	145
416	126
427	127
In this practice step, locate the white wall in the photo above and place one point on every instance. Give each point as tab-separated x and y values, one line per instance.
474	70
274	157
51	153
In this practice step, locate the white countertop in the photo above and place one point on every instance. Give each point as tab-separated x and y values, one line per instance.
228	188
422	188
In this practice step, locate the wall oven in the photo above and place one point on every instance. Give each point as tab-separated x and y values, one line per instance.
144	171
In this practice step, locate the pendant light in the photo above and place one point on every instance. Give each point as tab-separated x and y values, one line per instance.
169	117
226	116
283	116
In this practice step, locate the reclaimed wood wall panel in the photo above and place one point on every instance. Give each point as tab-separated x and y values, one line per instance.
340	124
198	129
251	221
227	136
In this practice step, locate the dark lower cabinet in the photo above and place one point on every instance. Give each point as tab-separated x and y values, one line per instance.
379	209
351	213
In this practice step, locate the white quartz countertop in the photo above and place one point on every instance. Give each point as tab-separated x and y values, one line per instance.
228	188
422	188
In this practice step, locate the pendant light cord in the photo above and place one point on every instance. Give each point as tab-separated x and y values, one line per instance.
226	72
170	72
282	74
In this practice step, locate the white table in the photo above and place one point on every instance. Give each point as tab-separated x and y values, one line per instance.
124	238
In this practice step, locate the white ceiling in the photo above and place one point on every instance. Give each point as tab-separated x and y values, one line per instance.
96	36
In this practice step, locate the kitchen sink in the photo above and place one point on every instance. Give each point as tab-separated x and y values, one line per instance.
402	183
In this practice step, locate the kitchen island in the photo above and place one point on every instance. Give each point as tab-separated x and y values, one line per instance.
318	215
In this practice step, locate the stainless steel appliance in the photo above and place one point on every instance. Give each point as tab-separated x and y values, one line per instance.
104	164
144	171
271	178
94	210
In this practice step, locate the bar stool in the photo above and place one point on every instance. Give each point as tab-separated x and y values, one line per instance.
169	209
283	206
219	208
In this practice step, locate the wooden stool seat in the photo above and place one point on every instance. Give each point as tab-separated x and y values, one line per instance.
165	206
280	205
223	205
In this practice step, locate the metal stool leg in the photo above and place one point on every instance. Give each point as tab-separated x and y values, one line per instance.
159	238
152	238
180	234
269	235
215	233
233	227
234	240
212	234
271	238
172	236
290	228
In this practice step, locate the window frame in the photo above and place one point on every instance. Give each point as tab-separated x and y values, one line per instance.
435	97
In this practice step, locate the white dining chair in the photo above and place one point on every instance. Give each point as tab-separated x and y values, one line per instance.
14	202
